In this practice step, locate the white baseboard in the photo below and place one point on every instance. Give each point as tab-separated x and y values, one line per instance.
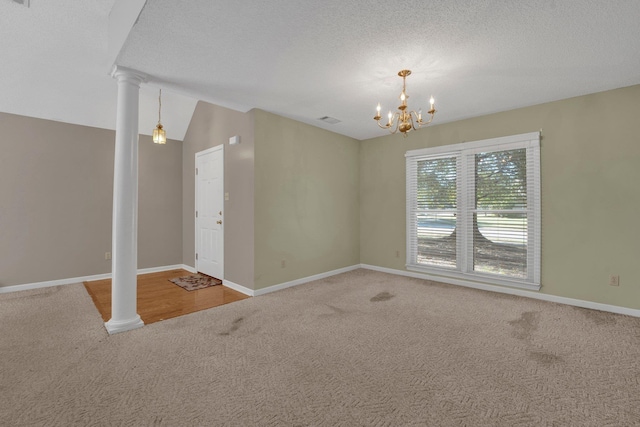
274	288
188	268
239	288
510	291
49	283
297	282
160	269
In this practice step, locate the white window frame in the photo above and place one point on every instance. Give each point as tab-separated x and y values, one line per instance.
465	208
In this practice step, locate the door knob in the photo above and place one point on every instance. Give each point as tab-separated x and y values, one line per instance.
219	221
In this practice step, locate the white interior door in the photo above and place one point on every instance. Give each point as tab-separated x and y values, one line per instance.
209	210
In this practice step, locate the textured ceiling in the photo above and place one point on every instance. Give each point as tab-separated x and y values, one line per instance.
309	59
338	58
53	65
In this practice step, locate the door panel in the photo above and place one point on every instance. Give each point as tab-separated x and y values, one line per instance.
209	208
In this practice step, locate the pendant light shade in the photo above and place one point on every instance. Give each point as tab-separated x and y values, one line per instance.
159	135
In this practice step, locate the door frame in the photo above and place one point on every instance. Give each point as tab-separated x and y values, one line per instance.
195	219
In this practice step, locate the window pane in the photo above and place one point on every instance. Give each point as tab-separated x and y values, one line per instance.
437	183
473	209
500	244
436	206
501	179
437	239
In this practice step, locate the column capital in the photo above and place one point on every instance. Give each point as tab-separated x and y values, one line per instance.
127	74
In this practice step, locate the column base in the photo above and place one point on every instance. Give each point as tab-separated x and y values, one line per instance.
115	326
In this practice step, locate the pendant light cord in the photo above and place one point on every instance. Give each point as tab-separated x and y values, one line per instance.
159	105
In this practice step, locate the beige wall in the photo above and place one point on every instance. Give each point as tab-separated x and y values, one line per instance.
159	203
306	200
56	192
211	126
317	200
590	198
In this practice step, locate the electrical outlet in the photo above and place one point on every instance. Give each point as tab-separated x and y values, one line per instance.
107	255
283	264
614	280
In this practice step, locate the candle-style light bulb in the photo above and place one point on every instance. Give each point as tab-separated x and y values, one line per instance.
420	115
432	101
403	96
378	108
390	116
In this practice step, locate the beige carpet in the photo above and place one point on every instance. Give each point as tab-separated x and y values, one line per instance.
358	349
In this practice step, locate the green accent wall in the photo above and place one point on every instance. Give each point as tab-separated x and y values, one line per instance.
590	169
306	200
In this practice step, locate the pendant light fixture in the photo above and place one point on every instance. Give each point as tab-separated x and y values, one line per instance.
159	134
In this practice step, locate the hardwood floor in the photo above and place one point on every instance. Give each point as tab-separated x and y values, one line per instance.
159	299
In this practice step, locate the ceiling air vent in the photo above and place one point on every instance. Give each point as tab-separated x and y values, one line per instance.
330	120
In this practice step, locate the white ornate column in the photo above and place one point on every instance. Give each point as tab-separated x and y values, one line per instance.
124	315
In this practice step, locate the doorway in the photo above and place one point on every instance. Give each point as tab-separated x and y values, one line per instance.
209	197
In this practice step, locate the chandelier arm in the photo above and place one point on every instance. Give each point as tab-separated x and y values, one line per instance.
383	126
413	125
412	115
429	121
421	122
396	118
